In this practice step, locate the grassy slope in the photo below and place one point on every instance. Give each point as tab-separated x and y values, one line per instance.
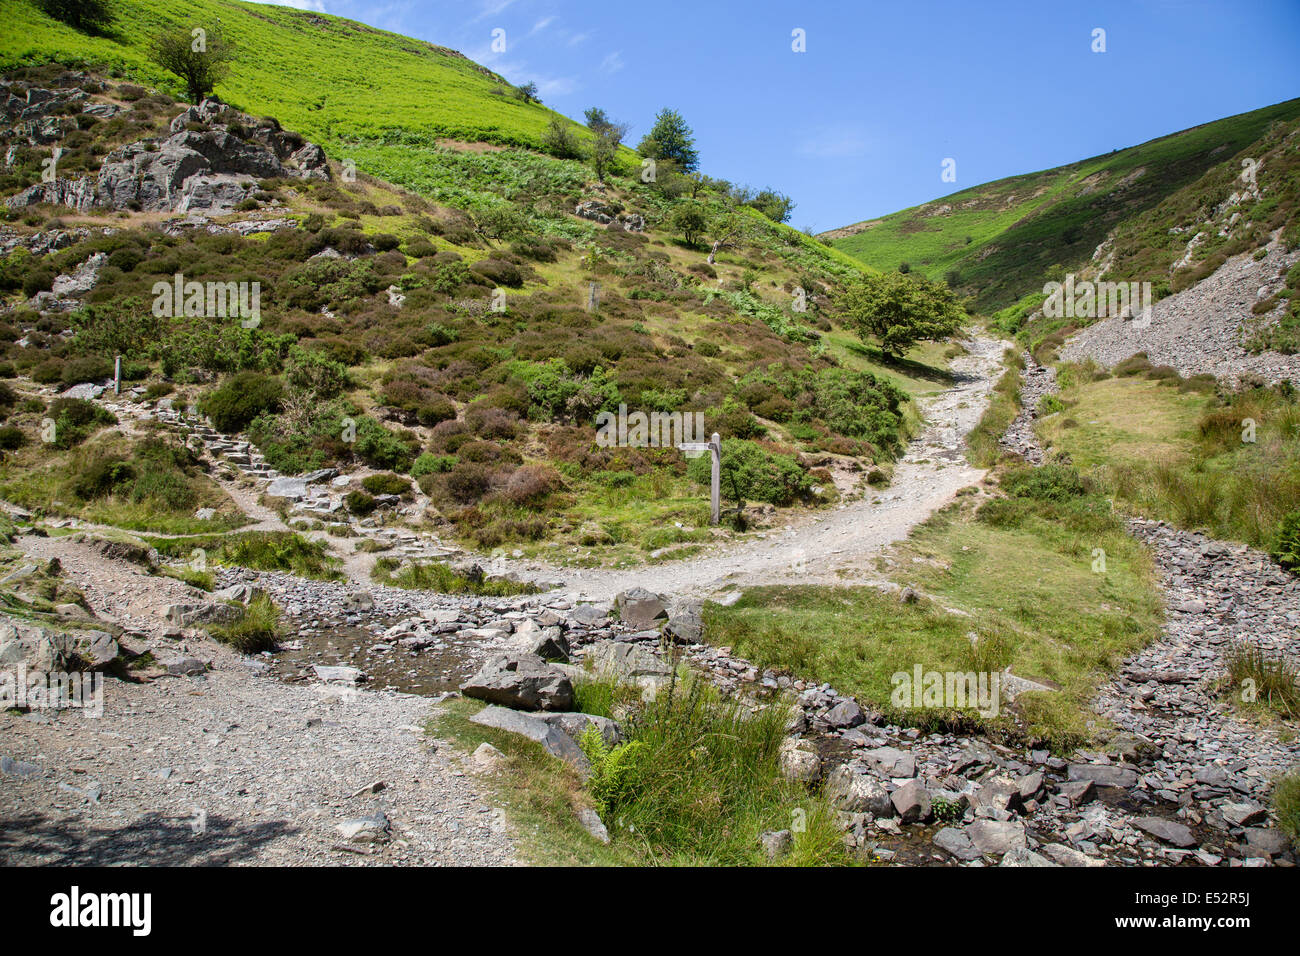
1024	584
434	93
334	80
1177	455
1028	229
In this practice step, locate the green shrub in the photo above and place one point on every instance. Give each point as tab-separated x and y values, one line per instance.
500	272
437	576
749	472
234	404
11	438
76	419
614	777
1047	483
260	551
386	484
86	368
1050	405
381	447
430	464
1287	550
359	503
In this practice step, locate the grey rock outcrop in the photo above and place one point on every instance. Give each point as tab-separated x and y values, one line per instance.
521	681
211	161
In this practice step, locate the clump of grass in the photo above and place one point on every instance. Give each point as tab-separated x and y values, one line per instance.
203	580
698	780
604	698
1257	679
1286	805
438	576
694	781
261	551
256	631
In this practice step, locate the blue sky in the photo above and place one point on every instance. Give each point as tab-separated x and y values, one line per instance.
859	124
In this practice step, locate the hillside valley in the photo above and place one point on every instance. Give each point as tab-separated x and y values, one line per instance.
432	479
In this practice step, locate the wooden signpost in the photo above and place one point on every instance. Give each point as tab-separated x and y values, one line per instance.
695	448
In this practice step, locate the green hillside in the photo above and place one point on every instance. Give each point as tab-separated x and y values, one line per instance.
333	80
1003	240
480	374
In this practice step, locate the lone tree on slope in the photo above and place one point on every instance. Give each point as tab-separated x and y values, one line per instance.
901	310
607	137
200	57
670	138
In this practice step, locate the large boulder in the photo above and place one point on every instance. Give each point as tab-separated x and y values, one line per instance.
1103	775
1168	831
521	681
857	792
588	615
295	489
46	651
206	612
912	802
211	161
996	837
800	762
576	724
686	624
628	663
641	609
548	643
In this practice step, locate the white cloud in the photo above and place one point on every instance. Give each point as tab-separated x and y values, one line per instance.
490	8
556	85
612	63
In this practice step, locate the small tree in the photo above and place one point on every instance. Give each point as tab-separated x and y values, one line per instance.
200	57
560	140
671	138
726	231
528	93
901	310
88	16
772	204
605	147
689	219
596	119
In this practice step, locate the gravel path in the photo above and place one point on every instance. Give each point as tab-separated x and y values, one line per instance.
838	546
231	767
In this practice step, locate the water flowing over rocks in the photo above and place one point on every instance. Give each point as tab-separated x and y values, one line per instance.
1036	381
